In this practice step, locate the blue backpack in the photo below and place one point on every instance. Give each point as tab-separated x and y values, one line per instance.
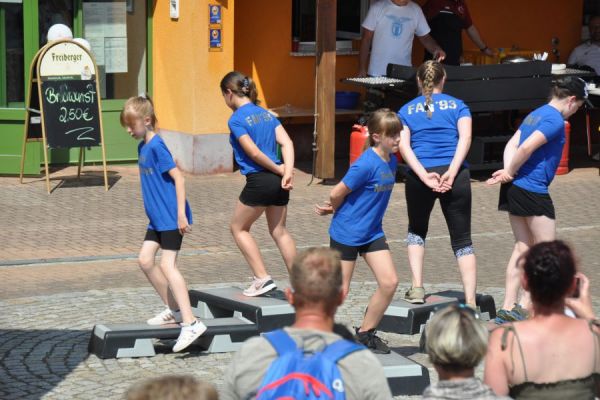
295	374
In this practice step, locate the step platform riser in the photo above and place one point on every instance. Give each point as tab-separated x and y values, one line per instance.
137	340
405	318
405	377
268	312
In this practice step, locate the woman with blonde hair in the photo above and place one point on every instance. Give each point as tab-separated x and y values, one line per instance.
456	344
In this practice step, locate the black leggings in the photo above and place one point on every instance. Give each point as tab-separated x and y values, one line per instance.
456	206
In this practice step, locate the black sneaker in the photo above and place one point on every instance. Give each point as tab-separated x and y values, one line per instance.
372	341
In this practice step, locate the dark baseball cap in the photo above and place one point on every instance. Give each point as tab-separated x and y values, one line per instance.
576	87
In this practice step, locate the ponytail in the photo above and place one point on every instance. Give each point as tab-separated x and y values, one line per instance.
240	85
140	106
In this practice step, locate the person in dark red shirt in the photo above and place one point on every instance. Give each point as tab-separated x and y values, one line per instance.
447	19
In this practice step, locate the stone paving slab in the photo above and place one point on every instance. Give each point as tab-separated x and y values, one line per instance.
68	261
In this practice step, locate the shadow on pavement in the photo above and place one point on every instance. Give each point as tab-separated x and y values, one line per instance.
33	362
86	179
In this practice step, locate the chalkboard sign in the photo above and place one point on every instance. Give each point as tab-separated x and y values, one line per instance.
70	112
63	108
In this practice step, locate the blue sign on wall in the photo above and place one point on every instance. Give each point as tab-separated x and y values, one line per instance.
214	12
215	40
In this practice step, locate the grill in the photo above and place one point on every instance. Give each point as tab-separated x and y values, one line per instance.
374	81
484	88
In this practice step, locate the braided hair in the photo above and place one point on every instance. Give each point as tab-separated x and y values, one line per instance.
550	268
241	85
430	74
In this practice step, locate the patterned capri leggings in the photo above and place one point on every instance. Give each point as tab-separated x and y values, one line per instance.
456	206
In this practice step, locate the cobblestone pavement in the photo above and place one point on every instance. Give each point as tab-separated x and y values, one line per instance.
68	262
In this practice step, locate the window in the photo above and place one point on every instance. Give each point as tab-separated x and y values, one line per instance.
12	71
116	31
350	14
52	12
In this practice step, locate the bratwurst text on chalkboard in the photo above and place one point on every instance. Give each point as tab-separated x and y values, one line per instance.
71	114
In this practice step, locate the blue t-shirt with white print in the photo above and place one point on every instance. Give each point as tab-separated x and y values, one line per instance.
260	124
434	140
158	188
538	171
359	219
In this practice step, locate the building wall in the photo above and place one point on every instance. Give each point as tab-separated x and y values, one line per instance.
186	84
257	41
528	25
263	37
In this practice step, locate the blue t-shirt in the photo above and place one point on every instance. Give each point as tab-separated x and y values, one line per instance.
538	171
260	124
158	188
359	220
434	140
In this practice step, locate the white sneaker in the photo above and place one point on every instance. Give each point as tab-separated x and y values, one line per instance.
189	333
166	316
260	286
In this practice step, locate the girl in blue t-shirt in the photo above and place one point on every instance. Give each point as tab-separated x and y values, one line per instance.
531	157
163	191
358	204
255	133
435	141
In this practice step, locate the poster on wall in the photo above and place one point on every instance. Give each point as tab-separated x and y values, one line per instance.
214	12
215	39
105	27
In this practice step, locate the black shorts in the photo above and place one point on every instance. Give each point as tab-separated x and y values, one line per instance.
523	203
168	240
264	189
350	253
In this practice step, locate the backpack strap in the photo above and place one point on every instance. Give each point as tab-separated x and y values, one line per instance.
340	349
281	341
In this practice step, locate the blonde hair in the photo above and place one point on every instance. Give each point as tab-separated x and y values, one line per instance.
140	106
385	122
430	74
172	387
455	339
316	278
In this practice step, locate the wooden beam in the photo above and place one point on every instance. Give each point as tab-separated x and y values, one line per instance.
325	59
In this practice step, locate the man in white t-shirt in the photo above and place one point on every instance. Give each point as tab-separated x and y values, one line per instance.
588	53
390	27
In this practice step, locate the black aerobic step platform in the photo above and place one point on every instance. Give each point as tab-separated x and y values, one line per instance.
270	311
404	376
406	318
137	340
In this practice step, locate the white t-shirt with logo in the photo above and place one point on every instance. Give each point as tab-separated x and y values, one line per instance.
394	29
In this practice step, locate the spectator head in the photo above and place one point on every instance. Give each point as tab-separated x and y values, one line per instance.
58	32
316	280
549	272
456	341
172	387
